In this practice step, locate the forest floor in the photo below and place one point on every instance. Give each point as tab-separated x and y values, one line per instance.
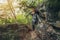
20	32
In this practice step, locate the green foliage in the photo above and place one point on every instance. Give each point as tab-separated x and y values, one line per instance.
25	4
23	19
29	3
54	5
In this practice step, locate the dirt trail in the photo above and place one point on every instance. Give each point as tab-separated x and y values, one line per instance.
22	32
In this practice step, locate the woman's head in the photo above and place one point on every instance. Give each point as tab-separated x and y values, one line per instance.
33	10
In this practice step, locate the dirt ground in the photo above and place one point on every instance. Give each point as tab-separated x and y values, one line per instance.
24	32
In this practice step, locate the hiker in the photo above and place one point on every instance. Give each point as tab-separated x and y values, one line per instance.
34	18
35	14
